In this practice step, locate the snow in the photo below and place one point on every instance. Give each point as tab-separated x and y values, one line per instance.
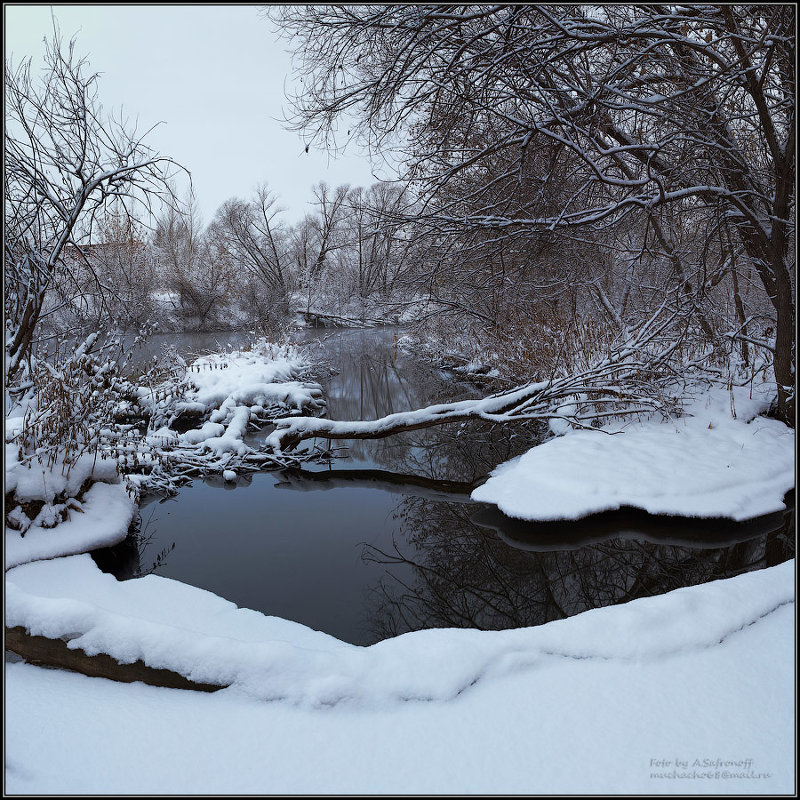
258	376
692	691
101	519
40	482
234	387
708	463
604	702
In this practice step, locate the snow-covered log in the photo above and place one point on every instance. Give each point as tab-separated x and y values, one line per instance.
57	653
319	319
620	383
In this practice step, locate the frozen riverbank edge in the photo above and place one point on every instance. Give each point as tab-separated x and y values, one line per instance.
583	704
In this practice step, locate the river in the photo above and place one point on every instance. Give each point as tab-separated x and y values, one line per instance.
385	540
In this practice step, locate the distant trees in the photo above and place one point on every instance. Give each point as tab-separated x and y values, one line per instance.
66	161
662	135
250	267
316	240
126	265
375	240
197	283
351	249
250	240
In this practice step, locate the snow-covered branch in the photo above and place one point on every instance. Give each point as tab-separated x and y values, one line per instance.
66	163
617	384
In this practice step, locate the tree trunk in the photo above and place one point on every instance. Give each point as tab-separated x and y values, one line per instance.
784	350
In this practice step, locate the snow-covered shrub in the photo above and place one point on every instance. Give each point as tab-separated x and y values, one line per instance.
76	425
81	422
77	399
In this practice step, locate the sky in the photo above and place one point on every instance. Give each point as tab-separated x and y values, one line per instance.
214	76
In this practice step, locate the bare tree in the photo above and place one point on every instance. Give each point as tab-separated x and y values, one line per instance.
317	237
179	241
375	245
65	161
126	264
250	237
330	211
668	119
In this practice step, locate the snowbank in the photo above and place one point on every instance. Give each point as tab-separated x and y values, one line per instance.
101	519
261	376
207	639
689	692
62	525
31	480
708	463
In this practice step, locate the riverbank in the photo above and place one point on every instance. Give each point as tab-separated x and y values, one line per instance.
720	458
573	698
606	702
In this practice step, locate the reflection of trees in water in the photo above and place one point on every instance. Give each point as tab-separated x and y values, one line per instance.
445	570
467	451
127	559
466	576
375	379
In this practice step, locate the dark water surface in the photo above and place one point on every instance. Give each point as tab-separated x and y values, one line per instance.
387	541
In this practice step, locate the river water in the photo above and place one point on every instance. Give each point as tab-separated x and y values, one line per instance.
386	540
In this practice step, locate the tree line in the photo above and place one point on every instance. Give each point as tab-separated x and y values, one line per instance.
251	267
578	166
247	268
578	182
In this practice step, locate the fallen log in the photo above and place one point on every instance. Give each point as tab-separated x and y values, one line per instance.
43	651
318	319
630	379
290	431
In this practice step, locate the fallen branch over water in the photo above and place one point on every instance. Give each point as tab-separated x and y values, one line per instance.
625	382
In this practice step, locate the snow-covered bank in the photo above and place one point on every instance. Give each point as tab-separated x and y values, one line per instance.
65	520
228	390
169	625
605	702
103	518
60	503
707	463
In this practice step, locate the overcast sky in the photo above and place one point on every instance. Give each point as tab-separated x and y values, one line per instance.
214	75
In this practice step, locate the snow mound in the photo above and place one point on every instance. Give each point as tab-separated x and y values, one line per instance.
233	389
101	519
708	463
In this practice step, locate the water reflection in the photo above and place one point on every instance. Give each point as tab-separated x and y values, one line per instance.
189	345
399	483
629	523
467	575
135	556
370	377
363	563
